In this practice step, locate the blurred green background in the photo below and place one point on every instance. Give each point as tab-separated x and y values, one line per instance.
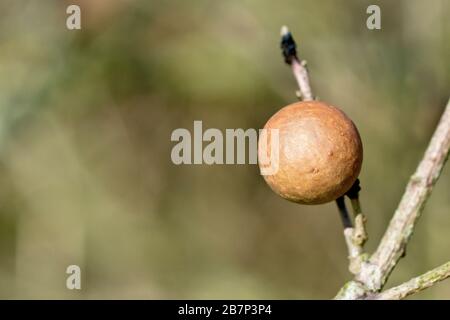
85	124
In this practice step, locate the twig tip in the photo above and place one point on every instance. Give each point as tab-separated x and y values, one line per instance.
284	31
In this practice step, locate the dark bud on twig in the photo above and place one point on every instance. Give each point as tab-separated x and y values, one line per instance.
353	193
288	46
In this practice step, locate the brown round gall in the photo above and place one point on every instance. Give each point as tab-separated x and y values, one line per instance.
320	152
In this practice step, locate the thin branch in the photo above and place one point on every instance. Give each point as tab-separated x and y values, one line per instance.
375	272
360	234
416	284
357	237
372	274
355	251
345	217
360	230
298	66
419	188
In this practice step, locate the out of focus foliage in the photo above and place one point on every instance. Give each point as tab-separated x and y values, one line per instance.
85	124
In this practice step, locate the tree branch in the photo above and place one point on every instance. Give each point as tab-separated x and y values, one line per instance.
416	284
355	238
298	66
401	227
371	274
375	272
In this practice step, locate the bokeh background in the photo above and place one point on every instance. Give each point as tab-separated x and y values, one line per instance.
85	122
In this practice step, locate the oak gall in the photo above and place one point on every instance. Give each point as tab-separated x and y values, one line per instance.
320	152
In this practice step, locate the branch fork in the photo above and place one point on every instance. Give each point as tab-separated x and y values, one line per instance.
372	271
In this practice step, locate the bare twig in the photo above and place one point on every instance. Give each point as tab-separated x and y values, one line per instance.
360	230
298	66
358	236
345	217
355	250
416	284
371	274
375	272
355	239
360	233
419	188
